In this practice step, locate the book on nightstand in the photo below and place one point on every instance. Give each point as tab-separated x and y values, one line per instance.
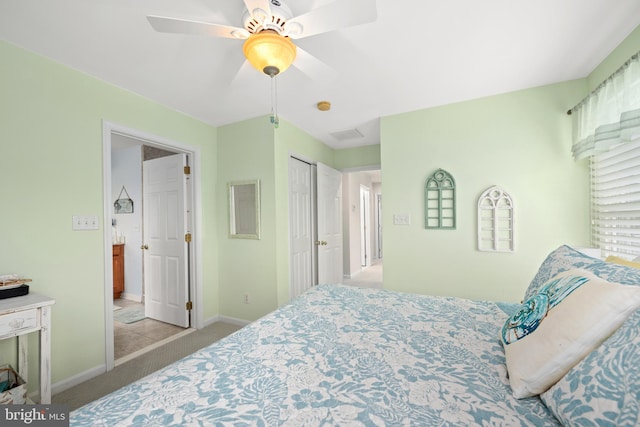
12	286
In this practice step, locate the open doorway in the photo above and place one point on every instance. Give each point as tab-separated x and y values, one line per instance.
362	218
130	330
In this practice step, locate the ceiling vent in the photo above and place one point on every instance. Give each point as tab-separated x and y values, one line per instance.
345	135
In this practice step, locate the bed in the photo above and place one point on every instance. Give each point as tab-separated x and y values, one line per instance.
347	356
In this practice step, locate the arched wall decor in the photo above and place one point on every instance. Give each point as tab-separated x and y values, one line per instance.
495	221
440	201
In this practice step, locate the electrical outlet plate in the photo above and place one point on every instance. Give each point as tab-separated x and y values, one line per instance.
85	222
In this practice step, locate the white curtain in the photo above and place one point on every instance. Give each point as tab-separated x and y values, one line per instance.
610	115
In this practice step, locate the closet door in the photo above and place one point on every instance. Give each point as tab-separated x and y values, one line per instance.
301	226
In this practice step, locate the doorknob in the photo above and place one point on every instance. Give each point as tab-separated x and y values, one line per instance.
321	242
144	247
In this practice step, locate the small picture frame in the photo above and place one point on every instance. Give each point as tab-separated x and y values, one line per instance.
123	205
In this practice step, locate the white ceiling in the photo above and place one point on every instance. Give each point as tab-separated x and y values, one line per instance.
417	54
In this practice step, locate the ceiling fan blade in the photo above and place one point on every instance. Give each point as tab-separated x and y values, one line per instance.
185	26
243	76
334	16
259	9
313	67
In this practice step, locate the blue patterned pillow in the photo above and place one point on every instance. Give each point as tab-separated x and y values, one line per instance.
604	388
566	258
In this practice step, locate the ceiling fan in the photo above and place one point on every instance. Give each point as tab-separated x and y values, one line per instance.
268	26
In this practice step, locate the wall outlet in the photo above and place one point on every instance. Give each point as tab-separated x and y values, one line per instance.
246	298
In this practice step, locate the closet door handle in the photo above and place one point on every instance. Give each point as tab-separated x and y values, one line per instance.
144	247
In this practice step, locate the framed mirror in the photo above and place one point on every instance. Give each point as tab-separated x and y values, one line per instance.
244	209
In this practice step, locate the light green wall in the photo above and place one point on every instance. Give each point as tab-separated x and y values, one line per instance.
254	149
520	141
246	151
357	157
51	156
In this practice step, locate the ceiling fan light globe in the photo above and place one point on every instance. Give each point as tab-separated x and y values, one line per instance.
267	50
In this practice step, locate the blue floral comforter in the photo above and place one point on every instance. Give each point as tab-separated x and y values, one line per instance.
338	356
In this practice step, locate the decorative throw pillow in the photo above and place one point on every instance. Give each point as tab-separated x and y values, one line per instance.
566	258
559	325
603	389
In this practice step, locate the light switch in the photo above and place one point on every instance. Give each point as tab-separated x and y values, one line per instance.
401	219
85	222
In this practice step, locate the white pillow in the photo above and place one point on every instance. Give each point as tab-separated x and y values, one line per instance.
569	316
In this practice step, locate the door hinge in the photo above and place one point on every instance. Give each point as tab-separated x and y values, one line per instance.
187	237
187	170
189	305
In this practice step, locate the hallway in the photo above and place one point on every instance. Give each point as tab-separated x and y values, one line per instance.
369	277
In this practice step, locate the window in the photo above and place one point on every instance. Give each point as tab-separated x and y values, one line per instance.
615	200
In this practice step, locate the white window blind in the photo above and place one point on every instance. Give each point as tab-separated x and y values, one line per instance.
615	200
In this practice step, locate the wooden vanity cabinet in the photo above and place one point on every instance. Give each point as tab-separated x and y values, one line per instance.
118	270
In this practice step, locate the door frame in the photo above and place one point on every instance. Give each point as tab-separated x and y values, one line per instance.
195	268
378	215
365	226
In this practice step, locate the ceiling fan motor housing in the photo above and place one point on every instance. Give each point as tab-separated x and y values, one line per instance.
258	20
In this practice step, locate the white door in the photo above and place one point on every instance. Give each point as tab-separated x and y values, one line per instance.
165	228
329	242
301	227
379	225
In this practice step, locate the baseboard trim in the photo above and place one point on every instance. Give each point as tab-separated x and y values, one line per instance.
233	320
210	321
131	297
74	380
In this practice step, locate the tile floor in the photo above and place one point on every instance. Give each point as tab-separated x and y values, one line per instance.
132	337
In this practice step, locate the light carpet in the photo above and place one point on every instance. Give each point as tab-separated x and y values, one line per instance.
142	366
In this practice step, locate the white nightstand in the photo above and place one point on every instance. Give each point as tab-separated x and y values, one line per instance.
20	316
